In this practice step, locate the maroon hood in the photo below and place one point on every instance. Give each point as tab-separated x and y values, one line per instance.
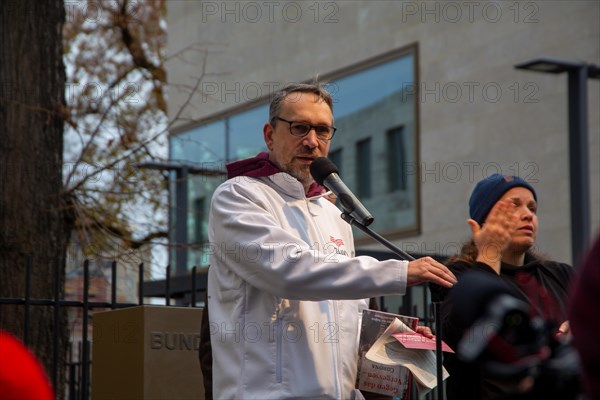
256	167
261	166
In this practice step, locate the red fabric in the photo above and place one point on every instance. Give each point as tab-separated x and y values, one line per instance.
257	166
261	166
584	319
22	377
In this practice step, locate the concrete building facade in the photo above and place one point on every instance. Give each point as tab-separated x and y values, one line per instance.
462	109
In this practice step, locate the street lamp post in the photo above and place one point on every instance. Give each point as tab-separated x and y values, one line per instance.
578	73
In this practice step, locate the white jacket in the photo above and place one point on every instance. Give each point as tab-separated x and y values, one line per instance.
285	292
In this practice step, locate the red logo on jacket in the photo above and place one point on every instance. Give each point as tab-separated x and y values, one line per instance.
337	242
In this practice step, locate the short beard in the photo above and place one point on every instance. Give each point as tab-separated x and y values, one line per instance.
301	174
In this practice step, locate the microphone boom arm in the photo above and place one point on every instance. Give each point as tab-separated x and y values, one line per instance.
399	252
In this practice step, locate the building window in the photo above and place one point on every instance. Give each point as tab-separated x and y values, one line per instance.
363	168
397	176
372	99
201	145
245	133
199	221
336	157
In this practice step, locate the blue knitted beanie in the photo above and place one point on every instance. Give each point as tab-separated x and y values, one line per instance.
489	190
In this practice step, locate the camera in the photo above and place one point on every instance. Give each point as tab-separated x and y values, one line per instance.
510	345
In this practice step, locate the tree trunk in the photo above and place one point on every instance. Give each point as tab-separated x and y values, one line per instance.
32	216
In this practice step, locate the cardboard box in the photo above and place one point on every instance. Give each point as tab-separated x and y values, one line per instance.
147	352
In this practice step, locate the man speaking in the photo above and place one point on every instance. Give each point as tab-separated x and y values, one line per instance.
285	289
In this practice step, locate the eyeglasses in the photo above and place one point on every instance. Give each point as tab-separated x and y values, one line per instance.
301	129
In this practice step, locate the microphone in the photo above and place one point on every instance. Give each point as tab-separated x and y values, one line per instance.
325	173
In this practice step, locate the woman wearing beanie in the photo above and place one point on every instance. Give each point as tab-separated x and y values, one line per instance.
504	228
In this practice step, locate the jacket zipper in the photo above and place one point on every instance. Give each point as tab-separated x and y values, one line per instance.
278	351
336	345
338	360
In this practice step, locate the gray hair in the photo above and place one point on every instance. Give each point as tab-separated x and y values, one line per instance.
315	87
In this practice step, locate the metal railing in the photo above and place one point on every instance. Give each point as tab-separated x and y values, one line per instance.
78	365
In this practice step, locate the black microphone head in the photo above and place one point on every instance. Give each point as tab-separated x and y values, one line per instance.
321	168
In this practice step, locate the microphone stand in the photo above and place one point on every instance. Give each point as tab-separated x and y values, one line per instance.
407	257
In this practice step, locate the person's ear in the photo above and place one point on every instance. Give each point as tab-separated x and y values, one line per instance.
268	131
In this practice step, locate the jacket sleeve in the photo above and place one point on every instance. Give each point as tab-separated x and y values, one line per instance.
248	242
